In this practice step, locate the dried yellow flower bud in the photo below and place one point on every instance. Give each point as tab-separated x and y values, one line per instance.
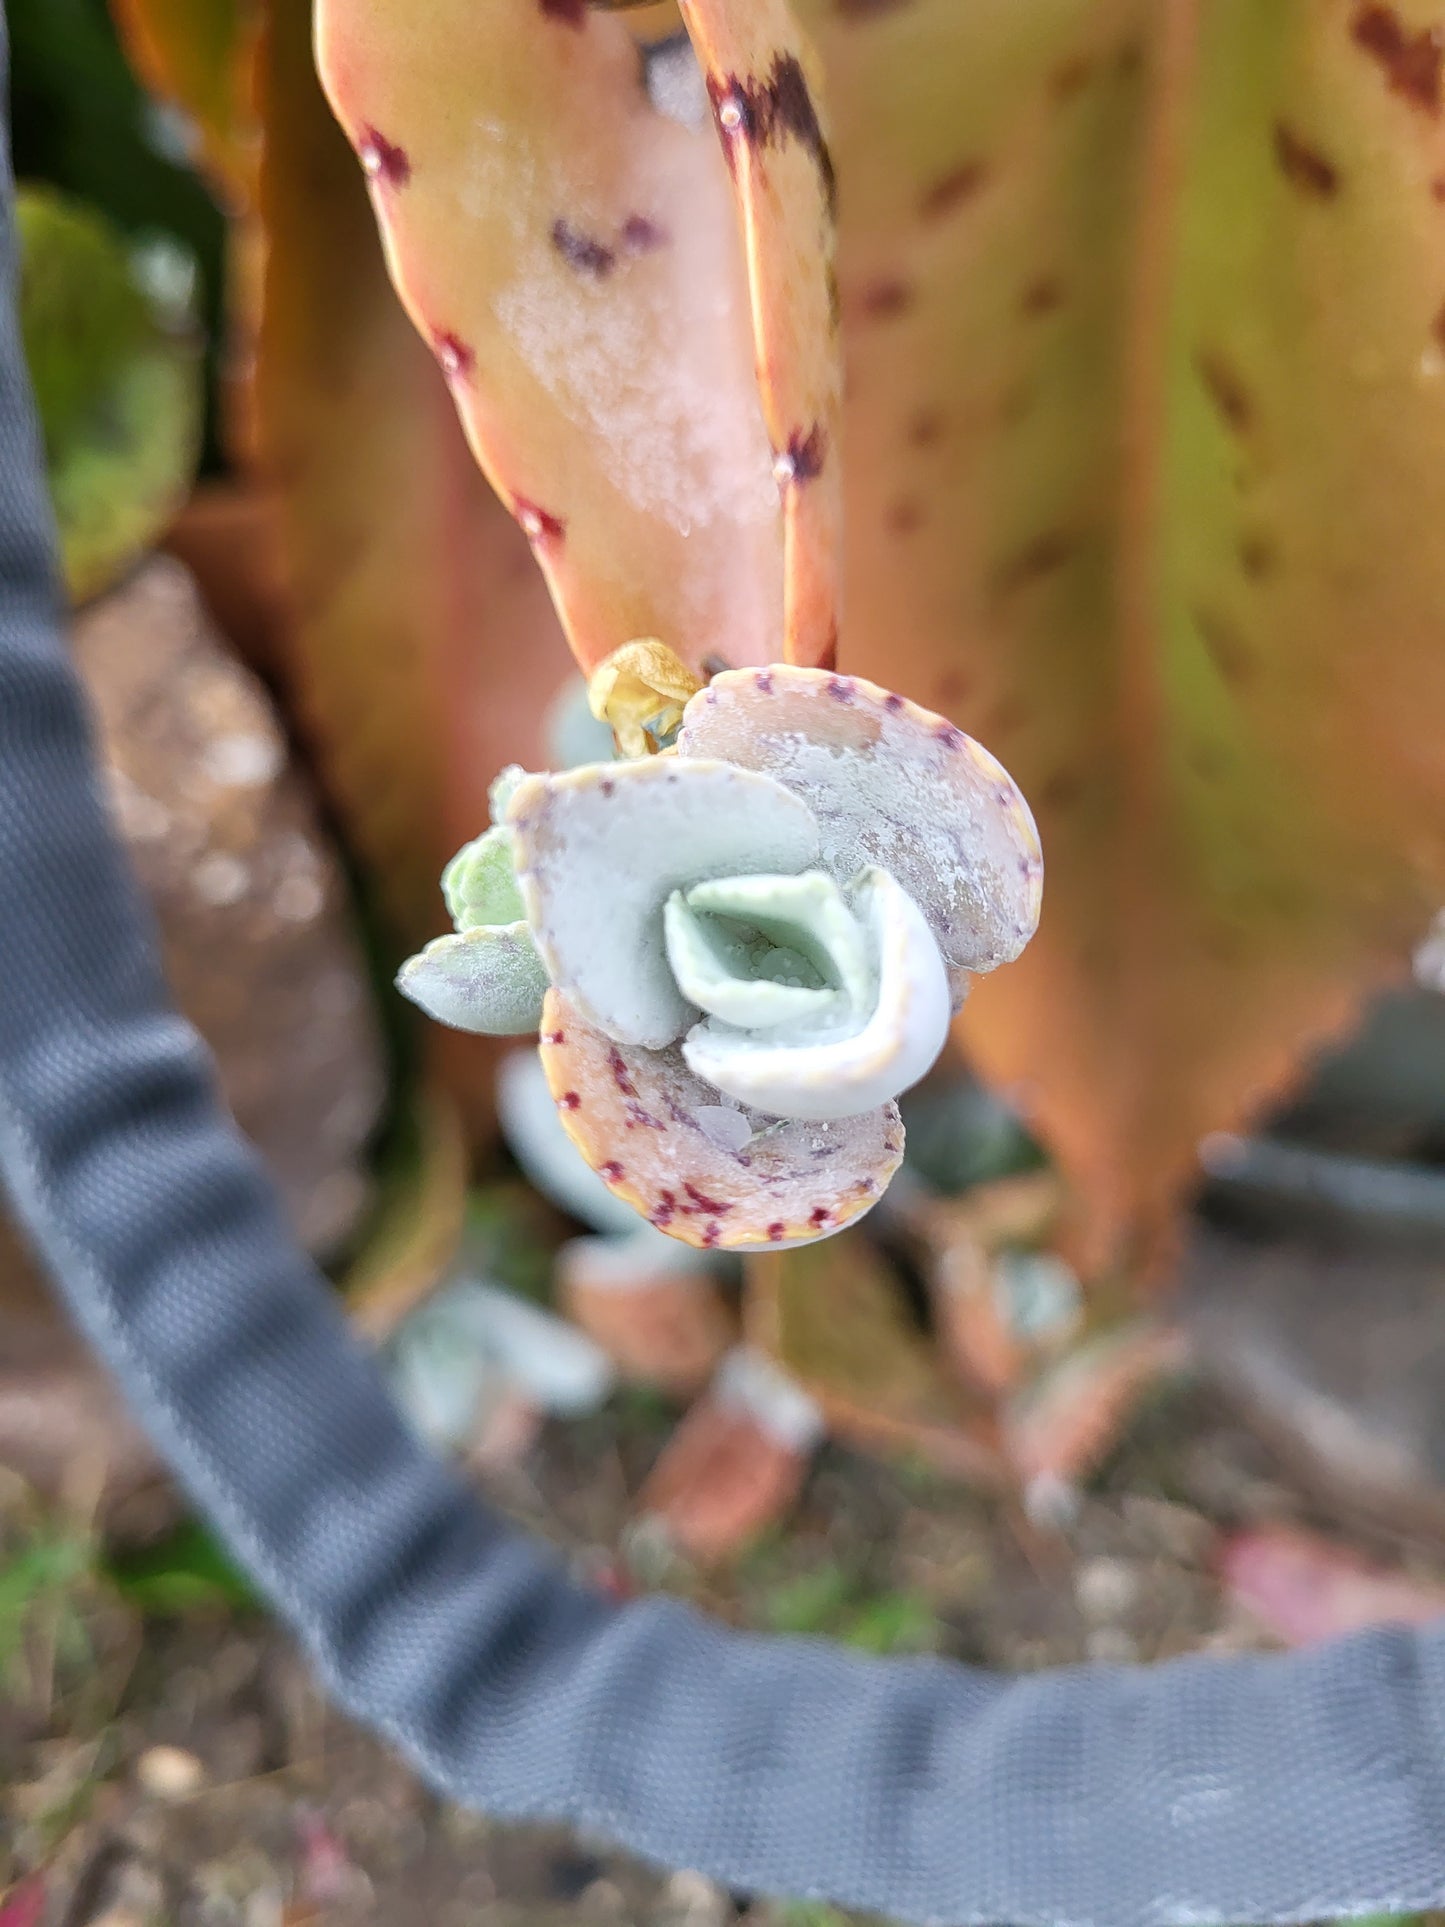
640	691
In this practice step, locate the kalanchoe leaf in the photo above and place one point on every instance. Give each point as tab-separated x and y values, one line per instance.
634	1115
489	979
640	692
480	885
753	971
418	640
807	914
833	1072
600	850
889	784
572	258
767	102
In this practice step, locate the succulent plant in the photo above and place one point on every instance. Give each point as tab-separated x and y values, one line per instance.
740	951
1104	442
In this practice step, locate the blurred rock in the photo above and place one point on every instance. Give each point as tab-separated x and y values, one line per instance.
258	945
170	1773
255	930
1326	1331
1380	1093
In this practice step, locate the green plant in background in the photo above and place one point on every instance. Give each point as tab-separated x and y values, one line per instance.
828	1600
38	1607
111	340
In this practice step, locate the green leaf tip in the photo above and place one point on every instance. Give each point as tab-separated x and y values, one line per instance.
488	979
480	884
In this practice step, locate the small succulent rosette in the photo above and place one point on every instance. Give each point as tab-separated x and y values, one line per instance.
739	951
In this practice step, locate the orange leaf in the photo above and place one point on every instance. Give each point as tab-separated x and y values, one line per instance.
196	54
762	82
571	257
734	1465
834	1317
1146	476
1062	1427
659	1319
423	649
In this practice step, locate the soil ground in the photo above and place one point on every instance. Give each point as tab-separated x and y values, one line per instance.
183	1771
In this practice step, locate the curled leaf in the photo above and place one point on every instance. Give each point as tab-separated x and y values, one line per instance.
844	1060
892	785
600	850
760	951
643	1122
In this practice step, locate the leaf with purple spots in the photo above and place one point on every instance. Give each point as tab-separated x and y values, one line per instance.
639	1117
572	255
1145	478
765	87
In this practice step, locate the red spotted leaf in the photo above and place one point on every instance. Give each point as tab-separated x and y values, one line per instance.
763	84
422	651
570	255
1145	478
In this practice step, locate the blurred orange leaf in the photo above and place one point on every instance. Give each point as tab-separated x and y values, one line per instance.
195	54
1145	479
733	1467
571	256
423	649
835	1317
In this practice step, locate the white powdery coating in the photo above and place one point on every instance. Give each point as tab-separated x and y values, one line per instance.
599	850
653	361
634	1115
675	436
728	1129
884	1052
490	981
890	785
